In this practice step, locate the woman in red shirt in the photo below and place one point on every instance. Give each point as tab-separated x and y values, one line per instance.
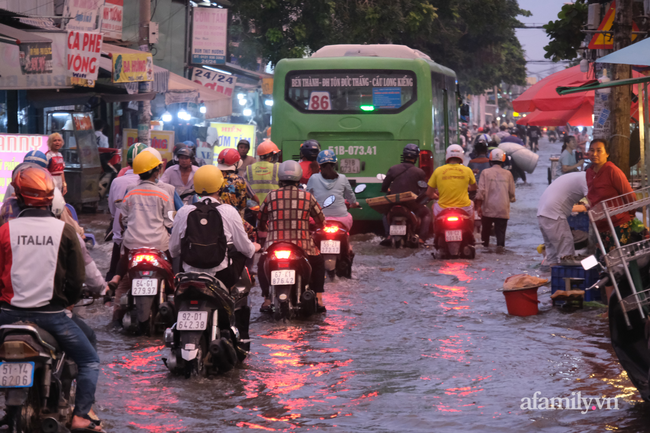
606	181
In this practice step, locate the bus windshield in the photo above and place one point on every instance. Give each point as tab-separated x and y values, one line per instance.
351	91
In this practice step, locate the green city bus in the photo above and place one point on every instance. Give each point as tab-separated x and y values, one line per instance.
366	102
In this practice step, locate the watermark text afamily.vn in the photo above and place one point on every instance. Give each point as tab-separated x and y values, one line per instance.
575	402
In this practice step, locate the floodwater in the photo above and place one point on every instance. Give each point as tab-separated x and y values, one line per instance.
410	344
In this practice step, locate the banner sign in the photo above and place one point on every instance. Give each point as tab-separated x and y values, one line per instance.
231	133
216	81
13	148
112	19
209	35
83	57
36	58
84	14
163	141
132	67
52	63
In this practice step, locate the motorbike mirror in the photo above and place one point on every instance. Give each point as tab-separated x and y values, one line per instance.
303	186
422	184
329	201
381	176
360	188
589	262
171	214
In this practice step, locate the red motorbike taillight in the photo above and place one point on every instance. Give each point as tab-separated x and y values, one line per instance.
426	162
282	254
331	229
145	258
452	218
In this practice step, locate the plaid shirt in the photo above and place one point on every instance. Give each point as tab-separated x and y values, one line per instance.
287	211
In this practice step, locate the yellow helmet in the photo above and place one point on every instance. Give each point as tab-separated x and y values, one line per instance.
145	161
208	180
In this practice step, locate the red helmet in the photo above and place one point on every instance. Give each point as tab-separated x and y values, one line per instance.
34	186
228	159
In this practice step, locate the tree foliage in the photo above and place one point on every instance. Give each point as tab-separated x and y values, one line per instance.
565	33
476	38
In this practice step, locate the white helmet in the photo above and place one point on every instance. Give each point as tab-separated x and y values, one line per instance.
454	151
58	203
155	152
498	155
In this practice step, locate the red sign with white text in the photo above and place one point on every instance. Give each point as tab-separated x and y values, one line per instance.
111	17
82	57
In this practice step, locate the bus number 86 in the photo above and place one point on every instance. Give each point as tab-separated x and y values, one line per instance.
319	101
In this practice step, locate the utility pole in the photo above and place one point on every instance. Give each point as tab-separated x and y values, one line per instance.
144	107
621	99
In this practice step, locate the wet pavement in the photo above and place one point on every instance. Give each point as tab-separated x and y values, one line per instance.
410	344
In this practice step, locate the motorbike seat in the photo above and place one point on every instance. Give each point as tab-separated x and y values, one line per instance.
42	333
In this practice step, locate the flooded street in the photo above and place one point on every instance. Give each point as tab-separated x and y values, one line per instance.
410	344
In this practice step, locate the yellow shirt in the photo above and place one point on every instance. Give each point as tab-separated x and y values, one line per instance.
452	181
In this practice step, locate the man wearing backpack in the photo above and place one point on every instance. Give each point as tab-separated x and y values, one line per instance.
209	236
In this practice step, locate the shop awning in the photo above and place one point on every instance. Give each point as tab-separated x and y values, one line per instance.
635	54
11	35
183	90
81	95
583	116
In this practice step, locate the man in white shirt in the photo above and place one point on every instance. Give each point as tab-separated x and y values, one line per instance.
209	181
102	139
181	176
555	205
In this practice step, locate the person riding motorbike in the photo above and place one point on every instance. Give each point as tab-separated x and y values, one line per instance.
181	176
41	278
453	181
263	175
243	147
208	181
145	218
480	161
309	151
404	177
119	186
292	227
174	160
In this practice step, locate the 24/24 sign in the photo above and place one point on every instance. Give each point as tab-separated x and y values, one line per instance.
221	83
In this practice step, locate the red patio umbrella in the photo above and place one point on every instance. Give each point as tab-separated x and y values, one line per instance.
580	117
543	95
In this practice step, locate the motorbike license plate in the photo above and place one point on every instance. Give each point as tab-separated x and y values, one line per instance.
330	247
397	230
453	235
283	278
144	287
16	374
192	320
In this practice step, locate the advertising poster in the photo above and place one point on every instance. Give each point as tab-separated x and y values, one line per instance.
36	58
163	141
128	68
213	80
231	133
209	35
13	148
83	57
84	14
112	19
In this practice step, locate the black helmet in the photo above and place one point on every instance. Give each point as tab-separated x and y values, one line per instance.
310	150
411	151
244	142
184	151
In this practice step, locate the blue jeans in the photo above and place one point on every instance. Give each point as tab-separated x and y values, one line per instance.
75	344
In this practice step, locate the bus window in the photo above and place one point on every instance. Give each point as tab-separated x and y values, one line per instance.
452	111
351	91
438	113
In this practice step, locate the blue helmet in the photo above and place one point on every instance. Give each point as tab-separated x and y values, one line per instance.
37	157
326	156
411	151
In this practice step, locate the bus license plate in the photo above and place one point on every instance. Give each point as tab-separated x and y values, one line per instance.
16	374
144	287
192	320
350	165
283	278
330	247
453	236
397	230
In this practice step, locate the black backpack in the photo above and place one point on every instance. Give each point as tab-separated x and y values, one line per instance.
204	245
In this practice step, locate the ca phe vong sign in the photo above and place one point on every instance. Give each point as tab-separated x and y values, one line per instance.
83	51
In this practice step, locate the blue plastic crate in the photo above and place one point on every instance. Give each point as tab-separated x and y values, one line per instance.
559	273
579	222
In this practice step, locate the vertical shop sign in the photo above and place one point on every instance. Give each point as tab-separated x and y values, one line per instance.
209	36
83	14
82	57
112	19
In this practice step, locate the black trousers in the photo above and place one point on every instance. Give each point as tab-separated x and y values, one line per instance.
231	274
115	257
317	283
500	226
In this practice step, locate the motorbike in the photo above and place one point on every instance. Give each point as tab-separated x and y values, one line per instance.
403	223
150	303
289	272
110	160
552	136
333	238
210	335
38	378
454	235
